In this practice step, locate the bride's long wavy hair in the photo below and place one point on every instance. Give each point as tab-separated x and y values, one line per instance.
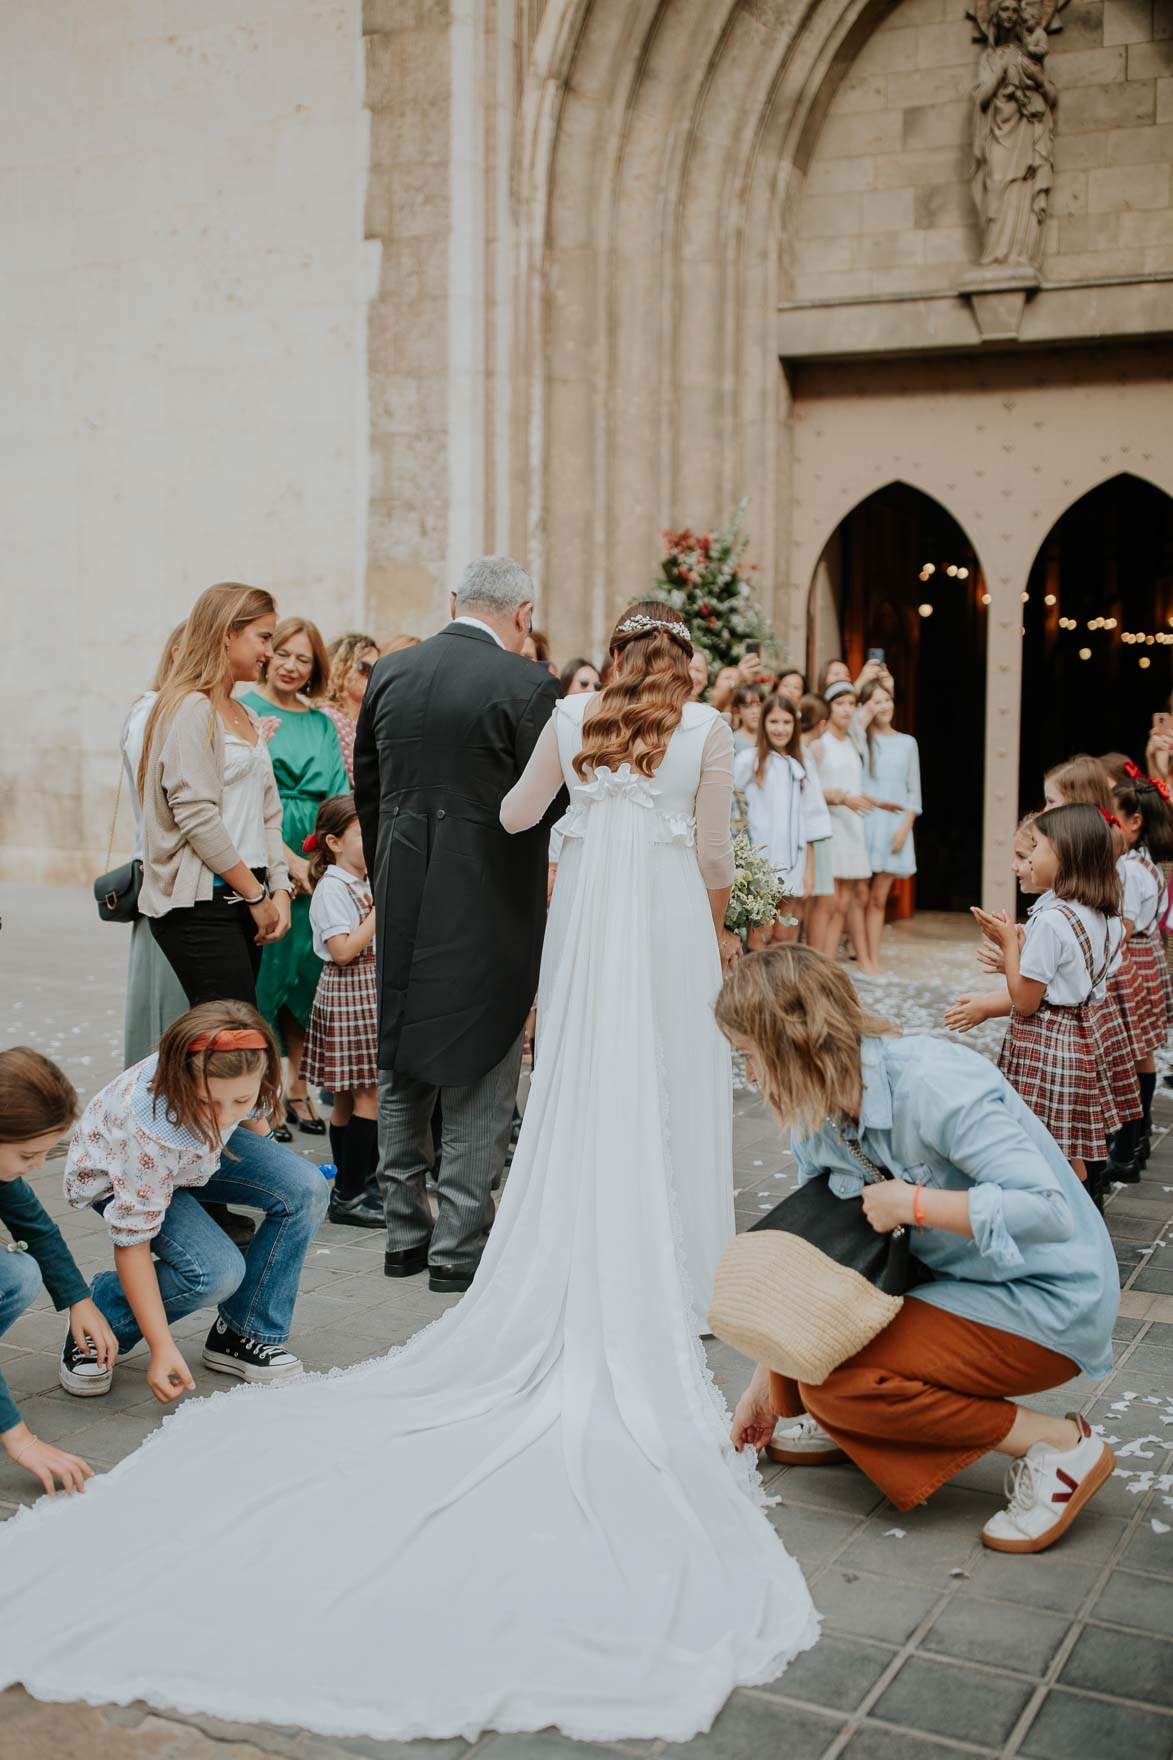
640	709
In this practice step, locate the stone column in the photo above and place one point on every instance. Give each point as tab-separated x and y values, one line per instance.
1003	720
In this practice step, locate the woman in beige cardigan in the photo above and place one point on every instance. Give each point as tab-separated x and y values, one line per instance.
215	879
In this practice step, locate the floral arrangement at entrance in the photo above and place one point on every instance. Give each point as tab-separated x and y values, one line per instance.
703	577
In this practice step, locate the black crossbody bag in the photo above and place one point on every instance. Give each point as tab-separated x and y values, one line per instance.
116	892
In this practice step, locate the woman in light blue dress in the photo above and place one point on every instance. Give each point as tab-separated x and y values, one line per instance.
892	778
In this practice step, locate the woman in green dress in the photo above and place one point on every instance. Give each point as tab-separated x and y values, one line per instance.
307	762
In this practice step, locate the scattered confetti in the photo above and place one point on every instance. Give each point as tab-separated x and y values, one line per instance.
1159	1527
895	1533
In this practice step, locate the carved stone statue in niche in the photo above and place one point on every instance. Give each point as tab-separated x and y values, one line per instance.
1014	129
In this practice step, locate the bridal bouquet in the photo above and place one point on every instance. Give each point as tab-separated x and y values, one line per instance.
758	889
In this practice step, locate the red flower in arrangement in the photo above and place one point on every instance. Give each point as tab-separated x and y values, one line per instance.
706	610
686	576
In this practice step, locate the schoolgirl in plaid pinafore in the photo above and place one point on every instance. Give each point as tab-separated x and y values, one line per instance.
1142	987
1053	1059
342	1040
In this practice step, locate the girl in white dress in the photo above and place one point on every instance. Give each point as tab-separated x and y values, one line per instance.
565	1534
841	774
779	805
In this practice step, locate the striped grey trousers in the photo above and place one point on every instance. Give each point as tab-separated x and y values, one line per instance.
475	1136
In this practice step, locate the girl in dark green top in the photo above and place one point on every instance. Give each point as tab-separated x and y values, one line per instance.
37	1105
307	762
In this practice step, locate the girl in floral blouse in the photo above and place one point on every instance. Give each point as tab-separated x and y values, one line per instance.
194	1115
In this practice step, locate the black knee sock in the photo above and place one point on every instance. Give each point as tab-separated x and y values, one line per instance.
362	1155
1095	1182
1125	1142
338	1155
1148	1085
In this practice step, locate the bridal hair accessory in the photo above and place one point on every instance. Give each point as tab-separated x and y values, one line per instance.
309	844
230	1039
837	689
638	622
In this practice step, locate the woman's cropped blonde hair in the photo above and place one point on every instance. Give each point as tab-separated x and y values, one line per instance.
800	1012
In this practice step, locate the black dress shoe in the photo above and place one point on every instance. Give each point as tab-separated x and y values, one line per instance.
356	1212
282	1133
406	1263
447	1280
1123	1173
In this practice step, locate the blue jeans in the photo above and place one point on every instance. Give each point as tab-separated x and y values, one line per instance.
20	1285
198	1266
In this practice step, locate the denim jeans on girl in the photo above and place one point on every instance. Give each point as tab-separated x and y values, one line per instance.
198	1266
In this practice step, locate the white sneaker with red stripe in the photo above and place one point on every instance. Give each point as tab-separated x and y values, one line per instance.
1047	1489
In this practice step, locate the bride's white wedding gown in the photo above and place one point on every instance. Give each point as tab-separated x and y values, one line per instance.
532	1513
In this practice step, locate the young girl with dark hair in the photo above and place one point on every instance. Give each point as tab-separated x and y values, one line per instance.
1051	1052
37	1106
165	1128
1141	986
773	780
342	1043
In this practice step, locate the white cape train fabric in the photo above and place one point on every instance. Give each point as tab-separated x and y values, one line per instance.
532	1513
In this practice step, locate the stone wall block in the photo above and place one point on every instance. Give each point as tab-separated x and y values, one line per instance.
888	250
950	245
944	204
945	45
830	216
908	170
827	177
910	88
1123	105
1090	67
866	91
1128	21
1083	28
1083	152
842	284
888	210
415	130
940	125
1069	193
1085	232
1147	228
887	51
1141	146
1165	100
846	137
1090	265
811	255
1132	186
1151	60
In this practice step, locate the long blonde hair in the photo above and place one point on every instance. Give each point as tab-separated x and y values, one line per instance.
799	1011
167	657
201	664
640	708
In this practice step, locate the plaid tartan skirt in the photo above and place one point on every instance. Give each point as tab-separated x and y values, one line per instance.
1144	991
342	1040
1117	1061
1050	1058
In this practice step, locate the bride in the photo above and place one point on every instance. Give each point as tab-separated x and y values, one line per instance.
532	1513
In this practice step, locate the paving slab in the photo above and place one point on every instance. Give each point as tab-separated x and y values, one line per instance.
933	1646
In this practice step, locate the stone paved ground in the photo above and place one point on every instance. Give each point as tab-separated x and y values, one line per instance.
932	1646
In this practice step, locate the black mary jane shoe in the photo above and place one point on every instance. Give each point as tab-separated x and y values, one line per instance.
282	1133
311	1126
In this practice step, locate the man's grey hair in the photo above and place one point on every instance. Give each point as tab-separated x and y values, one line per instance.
496	584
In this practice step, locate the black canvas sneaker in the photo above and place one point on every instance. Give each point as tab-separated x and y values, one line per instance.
232	1354
82	1375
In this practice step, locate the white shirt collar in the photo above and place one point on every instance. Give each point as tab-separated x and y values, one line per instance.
347	878
476	623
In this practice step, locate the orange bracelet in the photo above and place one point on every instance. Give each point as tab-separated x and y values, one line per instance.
918	1206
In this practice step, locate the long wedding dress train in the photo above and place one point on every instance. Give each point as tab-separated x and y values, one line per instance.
532	1513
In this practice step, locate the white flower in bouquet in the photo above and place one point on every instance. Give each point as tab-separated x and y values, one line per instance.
758	888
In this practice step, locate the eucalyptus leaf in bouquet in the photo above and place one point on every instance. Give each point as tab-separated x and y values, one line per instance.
758	888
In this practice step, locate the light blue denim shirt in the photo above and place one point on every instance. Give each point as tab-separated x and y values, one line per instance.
1040	1263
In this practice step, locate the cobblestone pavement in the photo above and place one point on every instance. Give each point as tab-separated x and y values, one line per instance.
932	1646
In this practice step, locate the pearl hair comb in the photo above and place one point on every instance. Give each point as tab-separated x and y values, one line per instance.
638	621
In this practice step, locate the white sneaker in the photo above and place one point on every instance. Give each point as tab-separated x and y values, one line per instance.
804	1444
1047	1489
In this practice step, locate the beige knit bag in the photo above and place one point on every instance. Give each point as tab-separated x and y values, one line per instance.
812	1283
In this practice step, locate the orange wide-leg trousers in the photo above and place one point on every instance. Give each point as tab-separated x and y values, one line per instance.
930	1394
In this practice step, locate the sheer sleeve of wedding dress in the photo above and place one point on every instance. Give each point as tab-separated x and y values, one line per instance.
553	1526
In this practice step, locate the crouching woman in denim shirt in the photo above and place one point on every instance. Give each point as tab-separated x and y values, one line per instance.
1024	1289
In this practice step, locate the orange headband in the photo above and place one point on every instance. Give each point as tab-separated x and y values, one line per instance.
230	1039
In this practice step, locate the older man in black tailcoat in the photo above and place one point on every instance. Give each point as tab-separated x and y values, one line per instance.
445	731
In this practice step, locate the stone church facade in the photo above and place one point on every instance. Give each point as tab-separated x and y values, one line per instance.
383	287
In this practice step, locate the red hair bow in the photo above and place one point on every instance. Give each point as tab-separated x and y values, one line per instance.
309	844
1111	819
1132	771
1162	788
230	1039
1136	774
